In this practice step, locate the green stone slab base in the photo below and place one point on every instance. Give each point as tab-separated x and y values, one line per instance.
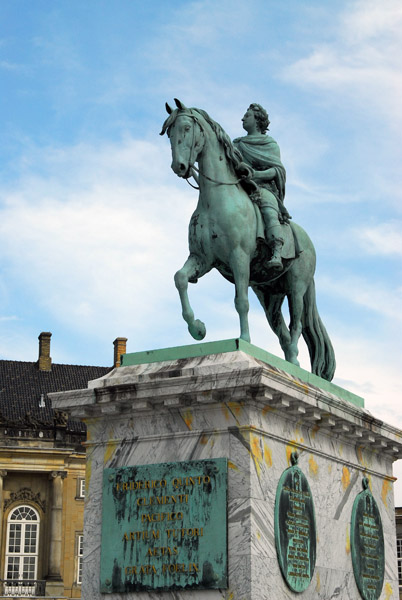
233	345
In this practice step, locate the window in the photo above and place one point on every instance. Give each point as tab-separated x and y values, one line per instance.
22	547
80	487
399	555
80	540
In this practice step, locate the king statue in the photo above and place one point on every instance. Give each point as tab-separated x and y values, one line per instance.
261	152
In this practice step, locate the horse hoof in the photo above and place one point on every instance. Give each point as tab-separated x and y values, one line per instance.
197	330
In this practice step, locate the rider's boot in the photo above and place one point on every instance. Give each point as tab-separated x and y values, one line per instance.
273	234
276	260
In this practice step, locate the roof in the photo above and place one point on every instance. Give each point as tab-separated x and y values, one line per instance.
22	385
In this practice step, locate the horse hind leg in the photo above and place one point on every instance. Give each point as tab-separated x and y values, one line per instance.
192	269
272	305
296	305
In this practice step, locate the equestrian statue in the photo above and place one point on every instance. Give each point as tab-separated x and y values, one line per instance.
242	228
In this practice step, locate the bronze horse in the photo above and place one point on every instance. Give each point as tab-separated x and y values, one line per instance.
223	235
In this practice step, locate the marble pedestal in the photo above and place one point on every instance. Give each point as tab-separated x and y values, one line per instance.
233	400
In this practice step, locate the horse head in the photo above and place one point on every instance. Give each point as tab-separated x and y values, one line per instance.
186	135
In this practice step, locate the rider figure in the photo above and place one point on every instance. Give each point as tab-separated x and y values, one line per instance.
261	152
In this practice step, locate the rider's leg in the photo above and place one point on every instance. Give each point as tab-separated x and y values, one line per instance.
273	235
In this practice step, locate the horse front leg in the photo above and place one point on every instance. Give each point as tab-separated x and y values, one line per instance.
192	269
240	267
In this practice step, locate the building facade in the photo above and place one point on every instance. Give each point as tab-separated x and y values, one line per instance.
42	477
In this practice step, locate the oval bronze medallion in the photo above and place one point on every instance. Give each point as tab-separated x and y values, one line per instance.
295	528
367	545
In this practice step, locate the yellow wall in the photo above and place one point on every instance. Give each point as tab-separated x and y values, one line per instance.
30	468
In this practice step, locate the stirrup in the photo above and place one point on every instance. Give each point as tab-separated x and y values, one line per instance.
275	263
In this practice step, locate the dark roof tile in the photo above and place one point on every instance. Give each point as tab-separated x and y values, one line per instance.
22	384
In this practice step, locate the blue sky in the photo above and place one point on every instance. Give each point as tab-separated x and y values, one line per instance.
93	222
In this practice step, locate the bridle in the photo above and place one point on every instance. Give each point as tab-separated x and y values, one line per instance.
193	170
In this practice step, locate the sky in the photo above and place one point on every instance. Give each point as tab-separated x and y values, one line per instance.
93	221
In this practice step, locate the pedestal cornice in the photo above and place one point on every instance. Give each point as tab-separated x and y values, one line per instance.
229	377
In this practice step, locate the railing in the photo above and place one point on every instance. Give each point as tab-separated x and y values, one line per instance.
26	588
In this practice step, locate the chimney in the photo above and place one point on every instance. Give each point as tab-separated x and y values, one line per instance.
44	361
119	349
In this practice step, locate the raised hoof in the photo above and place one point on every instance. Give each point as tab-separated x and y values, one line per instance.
197	330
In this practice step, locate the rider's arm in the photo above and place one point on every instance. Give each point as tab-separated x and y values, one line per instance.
266	175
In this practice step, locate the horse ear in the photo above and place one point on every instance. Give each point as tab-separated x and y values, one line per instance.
169	109
180	104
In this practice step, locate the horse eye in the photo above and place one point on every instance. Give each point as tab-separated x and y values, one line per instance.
187	128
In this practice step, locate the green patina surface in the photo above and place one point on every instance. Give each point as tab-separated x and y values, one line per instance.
233	345
367	545
164	526
241	227
295	528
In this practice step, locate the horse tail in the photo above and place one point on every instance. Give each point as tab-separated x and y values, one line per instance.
315	335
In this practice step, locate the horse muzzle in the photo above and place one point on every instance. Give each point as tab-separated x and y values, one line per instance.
181	169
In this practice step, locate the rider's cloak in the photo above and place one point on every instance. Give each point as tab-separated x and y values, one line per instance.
262	152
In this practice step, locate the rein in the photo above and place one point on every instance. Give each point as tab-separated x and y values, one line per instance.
194	168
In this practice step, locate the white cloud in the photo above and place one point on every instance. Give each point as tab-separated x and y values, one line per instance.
362	62
98	235
370	294
383	239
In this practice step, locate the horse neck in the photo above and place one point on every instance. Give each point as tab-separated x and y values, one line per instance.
213	163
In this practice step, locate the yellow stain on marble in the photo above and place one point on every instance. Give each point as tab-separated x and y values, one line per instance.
330	468
258	535
235	407
386	488
340	449
313	466
318	584
363	458
231	465
267	455
89	422
347	539
345	478
293	446
314	430
289	449
111	448
388	591
302	385
256	452
266	409
231	596
226	412
204	439
188	419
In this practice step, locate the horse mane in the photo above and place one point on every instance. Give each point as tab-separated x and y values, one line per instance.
232	154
